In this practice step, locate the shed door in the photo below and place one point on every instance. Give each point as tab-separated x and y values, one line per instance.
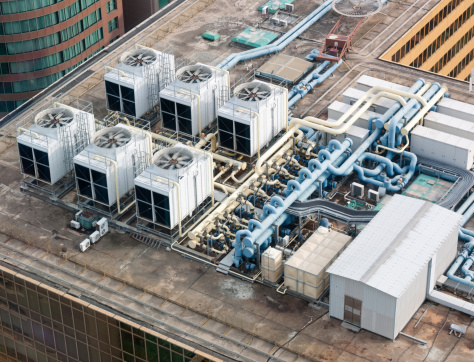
352	310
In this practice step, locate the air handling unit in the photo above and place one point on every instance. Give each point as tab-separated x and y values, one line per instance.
252	118
105	170
48	146
133	86
173	188
190	103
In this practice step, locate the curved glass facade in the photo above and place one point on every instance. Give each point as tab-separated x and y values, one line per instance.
86	29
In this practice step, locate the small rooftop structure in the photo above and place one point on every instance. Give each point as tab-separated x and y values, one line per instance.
285	68
383	277
254	37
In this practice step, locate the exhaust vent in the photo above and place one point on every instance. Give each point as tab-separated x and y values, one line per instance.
174	159
54	117
253	92
194	74
139	58
113	138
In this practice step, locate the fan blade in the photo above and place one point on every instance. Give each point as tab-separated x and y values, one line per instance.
148	57
197	71
51	116
177	166
182	158
255	90
248	92
166	157
140	56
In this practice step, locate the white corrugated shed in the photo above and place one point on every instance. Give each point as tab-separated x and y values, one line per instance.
388	266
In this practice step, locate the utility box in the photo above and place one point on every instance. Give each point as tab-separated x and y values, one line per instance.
357	190
94	237
84	245
102	226
271	265
442	147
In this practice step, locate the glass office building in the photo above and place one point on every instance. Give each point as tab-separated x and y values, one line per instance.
39	323
42	40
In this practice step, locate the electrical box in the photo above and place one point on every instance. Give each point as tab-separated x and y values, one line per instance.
75	225
84	245
374	196
102	226
357	190
94	237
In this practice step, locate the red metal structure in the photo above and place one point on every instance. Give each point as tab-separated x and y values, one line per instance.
336	44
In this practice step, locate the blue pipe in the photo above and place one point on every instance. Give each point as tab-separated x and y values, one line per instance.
295	189
281	43
408	109
313	75
313	83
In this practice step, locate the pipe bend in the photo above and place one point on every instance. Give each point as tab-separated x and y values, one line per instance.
324	155
277	200
315	165
269	209
293	185
334	145
305	173
238	237
254	224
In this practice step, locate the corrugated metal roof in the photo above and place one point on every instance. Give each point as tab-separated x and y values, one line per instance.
396	245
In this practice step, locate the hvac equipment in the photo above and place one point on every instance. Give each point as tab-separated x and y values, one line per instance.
47	147
133	86
176	184
289	7
189	104
374	196
357	190
252	118
74	224
94	237
105	170
84	245
102	226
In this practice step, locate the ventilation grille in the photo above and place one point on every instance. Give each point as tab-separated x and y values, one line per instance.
54	118
113	138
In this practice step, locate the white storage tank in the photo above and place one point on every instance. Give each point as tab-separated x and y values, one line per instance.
252	117
116	156
133	86
442	147
189	104
178	181
48	146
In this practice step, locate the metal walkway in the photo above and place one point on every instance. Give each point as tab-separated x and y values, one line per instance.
332	210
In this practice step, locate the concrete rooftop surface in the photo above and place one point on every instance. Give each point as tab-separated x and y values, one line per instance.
232	318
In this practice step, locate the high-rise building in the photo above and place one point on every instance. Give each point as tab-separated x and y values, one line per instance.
137	11
42	40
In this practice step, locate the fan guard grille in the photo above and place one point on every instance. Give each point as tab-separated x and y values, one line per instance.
194	74
174	159
139	58
356	8
253	92
54	117
114	137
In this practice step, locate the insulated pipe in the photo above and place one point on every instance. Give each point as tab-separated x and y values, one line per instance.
120	72
466	204
316	123
407	108
281	43
313	75
419	116
313	83
365	97
277	145
119	209
295	189
22	130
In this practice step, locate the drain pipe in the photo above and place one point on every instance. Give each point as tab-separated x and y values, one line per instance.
313	75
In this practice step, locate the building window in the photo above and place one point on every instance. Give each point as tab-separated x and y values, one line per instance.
114	39
111	6
113	24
